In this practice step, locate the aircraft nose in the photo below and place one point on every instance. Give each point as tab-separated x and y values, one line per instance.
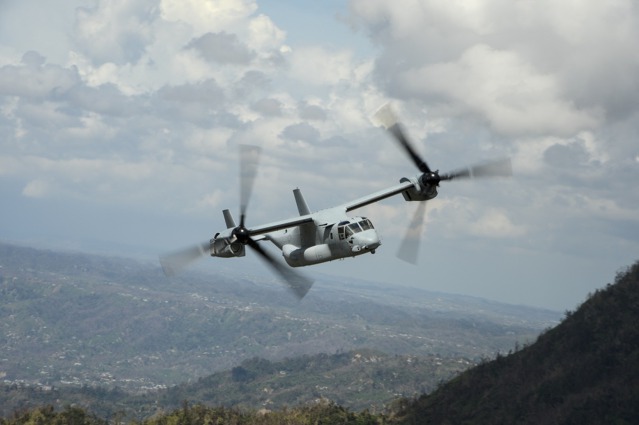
368	240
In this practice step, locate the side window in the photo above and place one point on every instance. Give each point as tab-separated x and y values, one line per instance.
349	231
340	232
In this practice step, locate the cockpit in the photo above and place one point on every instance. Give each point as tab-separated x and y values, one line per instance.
346	229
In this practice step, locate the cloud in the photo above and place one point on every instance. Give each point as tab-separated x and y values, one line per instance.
222	48
316	65
208	15
268	107
301	132
496	224
36	189
204	92
141	104
34	79
559	53
115	31
501	88
312	112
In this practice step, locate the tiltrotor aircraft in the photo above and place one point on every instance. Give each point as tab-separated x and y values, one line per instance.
329	234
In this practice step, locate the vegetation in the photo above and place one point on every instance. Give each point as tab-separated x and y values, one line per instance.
324	413
359	380
49	416
584	371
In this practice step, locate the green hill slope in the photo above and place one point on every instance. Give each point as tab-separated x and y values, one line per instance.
358	380
584	371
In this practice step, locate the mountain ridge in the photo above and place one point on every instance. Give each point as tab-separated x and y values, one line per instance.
585	370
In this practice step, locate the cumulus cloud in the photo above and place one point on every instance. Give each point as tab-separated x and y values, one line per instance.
300	132
496	224
312	112
144	103
549	82
316	65
503	89
268	107
208	15
34	79
115	31
222	48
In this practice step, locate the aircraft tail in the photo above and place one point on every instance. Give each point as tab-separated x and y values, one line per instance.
302	207
228	218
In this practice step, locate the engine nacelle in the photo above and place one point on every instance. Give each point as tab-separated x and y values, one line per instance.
419	192
225	247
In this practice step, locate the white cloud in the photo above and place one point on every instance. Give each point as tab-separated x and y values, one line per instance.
264	35
141	104
502	88
115	31
36	189
208	15
496	224
316	65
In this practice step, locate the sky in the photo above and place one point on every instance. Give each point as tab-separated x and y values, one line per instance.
120	121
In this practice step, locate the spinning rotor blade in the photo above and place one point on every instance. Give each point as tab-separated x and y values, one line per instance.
249	160
388	120
409	248
297	283
177	261
498	168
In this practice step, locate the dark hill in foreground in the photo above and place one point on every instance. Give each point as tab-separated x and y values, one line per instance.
584	371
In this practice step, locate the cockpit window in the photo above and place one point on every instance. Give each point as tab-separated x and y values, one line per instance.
352	228
345	231
366	224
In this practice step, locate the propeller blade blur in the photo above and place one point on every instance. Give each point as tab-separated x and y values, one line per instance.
298	284
177	261
409	248
497	168
387	118
249	160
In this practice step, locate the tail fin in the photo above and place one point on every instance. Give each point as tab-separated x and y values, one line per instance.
302	207
228	218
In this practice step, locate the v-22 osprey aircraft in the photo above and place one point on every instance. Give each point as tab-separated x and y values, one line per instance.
329	234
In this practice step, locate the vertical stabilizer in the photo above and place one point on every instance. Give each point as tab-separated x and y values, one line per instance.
228	218
301	203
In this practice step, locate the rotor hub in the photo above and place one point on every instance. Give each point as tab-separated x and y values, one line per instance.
431	178
241	234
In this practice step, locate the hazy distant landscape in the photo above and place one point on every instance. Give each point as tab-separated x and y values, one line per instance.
90	339
72	320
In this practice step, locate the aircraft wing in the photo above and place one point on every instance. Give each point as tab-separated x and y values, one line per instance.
280	225
378	196
349	206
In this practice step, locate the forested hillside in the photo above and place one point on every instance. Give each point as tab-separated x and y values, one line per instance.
356	380
584	371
